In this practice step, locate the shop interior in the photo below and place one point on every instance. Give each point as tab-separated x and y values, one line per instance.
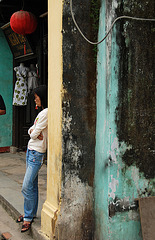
33	56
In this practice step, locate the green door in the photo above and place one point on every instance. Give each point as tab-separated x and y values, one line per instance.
6	90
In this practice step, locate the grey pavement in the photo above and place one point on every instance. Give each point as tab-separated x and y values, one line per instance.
8	227
12	170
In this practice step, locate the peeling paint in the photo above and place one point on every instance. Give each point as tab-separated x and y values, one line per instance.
114	150
133	215
121	205
118	149
70	146
67	119
112	186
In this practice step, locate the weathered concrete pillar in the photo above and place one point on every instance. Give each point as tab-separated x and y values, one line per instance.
68	210
51	205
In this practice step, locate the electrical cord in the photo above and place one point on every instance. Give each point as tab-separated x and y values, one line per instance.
96	43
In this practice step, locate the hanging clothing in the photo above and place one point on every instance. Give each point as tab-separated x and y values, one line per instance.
20	91
32	80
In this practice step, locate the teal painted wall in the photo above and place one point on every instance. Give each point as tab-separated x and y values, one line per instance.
120	177
102	139
6	90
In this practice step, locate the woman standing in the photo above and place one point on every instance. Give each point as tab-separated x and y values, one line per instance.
36	150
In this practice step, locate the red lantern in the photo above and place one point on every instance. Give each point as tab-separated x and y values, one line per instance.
23	22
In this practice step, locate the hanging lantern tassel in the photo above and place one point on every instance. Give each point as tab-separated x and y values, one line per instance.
24	48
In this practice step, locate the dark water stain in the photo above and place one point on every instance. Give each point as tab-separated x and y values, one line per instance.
79	81
88	225
135	113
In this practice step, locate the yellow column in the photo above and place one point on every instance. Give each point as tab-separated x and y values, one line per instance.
51	205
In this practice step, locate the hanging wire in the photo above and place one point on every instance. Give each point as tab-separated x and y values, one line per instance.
23	3
96	43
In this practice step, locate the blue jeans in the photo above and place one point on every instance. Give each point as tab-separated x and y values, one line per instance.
34	162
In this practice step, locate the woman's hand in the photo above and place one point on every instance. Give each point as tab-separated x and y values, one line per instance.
31	130
40	137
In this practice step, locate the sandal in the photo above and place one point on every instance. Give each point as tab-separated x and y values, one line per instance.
26	227
20	219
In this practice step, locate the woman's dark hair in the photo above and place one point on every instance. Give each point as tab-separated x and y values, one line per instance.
41	91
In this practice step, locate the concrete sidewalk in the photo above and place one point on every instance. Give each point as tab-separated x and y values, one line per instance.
12	170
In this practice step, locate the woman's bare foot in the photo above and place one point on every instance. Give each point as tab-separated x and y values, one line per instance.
26	226
20	219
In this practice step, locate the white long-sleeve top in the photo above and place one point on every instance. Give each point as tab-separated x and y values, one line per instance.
39	126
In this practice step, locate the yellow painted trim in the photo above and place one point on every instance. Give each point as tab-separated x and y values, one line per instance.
54	163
